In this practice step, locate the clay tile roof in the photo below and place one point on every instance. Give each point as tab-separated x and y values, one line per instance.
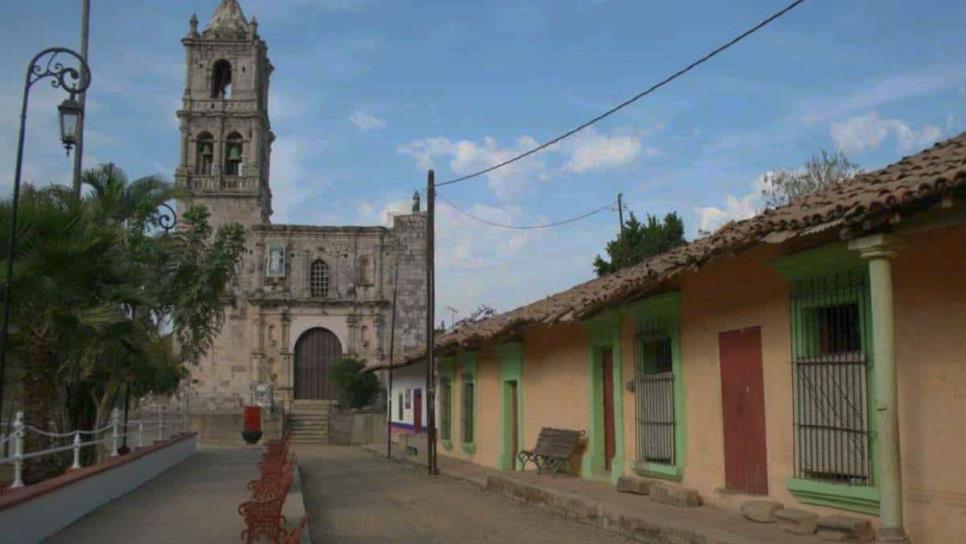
857	205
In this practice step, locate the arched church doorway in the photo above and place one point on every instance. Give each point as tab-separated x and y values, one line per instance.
316	351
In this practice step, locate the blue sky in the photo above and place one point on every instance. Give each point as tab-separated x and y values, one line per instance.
369	93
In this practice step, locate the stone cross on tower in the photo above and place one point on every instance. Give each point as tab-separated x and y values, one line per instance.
226	135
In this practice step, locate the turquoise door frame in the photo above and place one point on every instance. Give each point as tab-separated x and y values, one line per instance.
604	333
511	370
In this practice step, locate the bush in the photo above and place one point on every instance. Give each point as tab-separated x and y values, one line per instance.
354	388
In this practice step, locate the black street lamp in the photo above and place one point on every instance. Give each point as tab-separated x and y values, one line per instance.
48	64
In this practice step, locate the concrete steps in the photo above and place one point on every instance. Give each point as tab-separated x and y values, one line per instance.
309	422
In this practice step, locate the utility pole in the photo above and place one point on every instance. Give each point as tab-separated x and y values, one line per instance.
620	217
392	352
431	323
79	152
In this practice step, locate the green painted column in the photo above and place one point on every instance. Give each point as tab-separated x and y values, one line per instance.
879	250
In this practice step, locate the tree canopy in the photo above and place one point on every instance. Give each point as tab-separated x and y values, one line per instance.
106	303
641	240
785	186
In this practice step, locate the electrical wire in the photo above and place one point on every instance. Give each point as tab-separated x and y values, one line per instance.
629	101
591	213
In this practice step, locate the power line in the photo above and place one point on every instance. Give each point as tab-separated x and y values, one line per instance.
629	101
459	210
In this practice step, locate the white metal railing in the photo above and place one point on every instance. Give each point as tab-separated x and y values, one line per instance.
110	435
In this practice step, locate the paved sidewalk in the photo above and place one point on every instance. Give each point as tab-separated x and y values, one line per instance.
599	504
194	502
352	497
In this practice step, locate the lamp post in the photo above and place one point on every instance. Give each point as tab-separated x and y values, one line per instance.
48	64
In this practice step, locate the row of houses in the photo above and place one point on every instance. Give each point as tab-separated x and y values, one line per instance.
814	354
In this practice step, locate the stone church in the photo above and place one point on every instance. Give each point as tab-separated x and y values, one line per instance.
305	295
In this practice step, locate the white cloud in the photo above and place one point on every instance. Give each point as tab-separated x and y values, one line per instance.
466	156
884	90
735	208
586	152
591	150
868	131
295	190
366	121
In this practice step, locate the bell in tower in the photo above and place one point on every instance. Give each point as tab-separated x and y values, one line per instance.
226	135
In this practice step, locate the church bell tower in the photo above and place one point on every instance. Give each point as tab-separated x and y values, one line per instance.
226	136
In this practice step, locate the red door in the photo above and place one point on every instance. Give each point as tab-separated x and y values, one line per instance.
743	405
607	382
418	410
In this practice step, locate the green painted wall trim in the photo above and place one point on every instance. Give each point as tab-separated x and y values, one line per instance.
468	374
448	372
666	307
658	470
511	369
604	332
853	498
822	260
658	305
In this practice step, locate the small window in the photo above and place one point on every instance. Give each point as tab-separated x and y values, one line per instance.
205	159
319	279
399	410
446	409
221	79
364	336
468	401
234	148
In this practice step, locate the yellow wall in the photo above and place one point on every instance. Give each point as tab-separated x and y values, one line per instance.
930	300
734	293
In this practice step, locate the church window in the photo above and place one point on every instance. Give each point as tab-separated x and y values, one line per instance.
206	154
364	336
365	271
221	80
319	279
233	154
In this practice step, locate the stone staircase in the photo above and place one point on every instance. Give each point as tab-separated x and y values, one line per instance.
308	421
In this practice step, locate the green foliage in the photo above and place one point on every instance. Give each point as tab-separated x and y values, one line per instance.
641	241
104	302
785	186
354	388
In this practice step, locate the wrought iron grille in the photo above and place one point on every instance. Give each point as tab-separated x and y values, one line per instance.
319	279
654	387
831	371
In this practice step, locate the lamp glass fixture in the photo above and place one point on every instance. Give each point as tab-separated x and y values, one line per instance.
70	114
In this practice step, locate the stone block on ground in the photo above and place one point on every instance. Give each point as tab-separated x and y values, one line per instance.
675	495
637	486
761	511
840	528
799	522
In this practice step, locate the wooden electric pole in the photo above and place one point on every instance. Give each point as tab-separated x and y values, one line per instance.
431	323
620	217
79	151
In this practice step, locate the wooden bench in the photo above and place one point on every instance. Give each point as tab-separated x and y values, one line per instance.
554	449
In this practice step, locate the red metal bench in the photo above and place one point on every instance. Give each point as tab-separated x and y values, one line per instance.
263	514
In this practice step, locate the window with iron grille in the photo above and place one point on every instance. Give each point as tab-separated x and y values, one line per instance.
446	409
319	279
656	426
830	356
467	415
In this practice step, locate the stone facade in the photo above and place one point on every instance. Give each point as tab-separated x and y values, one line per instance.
226	140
